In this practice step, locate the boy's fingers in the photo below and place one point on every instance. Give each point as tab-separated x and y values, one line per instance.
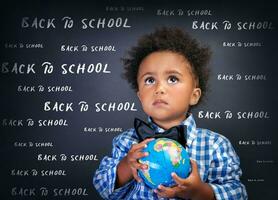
146	141
187	181
141	166
162	188
135	175
160	191
135	156
163	191
141	154
142	144
177	179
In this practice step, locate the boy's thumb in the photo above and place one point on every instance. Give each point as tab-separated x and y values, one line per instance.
194	165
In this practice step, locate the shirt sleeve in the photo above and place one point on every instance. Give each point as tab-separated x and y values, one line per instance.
224	172
105	176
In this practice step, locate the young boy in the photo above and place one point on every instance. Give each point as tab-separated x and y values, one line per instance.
168	70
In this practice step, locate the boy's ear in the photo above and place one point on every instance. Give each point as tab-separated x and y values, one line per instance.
138	95
196	94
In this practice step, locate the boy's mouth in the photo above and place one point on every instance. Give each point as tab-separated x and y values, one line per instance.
159	102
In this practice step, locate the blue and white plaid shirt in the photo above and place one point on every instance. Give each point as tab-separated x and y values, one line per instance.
218	165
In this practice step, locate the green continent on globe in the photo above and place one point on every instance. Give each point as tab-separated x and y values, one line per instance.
146	171
172	148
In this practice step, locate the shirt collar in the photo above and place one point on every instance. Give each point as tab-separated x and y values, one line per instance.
189	122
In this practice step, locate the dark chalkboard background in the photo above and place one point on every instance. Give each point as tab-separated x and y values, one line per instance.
238	54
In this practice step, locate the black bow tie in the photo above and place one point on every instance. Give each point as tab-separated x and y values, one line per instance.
145	131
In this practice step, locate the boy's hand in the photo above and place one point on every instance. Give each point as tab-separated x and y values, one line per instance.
134	154
192	187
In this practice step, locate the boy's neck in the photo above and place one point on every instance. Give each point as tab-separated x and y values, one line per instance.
167	124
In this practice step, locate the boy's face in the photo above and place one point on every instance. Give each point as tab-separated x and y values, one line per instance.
166	87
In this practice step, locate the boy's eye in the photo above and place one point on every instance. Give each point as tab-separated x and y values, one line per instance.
149	81
173	79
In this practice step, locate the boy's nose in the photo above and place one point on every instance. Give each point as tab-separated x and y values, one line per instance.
160	89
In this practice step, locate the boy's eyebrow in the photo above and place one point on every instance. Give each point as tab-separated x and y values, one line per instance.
147	73
173	72
167	72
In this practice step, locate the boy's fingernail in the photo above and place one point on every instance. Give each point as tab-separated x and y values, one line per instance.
146	154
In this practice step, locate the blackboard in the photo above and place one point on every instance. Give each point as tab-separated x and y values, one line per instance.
63	99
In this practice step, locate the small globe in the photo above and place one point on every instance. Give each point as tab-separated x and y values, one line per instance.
165	156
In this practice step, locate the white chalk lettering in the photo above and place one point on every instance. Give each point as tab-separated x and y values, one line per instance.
64	88
225	77
37	23
254	25
253	115
229	44
209	115
33	46
57	107
105	23
259	77
17	68
68	22
12	122
198	12
25	88
102	48
252	44
18	172
43	144
164	12
69	48
204	25
23	191
53	122
46	157
113	130
126	106
70	192
83	68
20	144
89	129
90	157
10	46
53	173
243	142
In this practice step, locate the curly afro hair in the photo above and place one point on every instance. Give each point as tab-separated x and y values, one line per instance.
173	40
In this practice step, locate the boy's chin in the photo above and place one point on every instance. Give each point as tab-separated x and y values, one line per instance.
167	118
